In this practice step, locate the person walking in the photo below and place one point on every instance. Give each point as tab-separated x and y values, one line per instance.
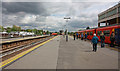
102	38
74	36
81	36
112	39
95	41
85	36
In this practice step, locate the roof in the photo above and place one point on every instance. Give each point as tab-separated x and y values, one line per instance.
109	9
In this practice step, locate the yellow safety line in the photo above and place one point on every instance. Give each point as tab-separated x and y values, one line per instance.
4	63
113	49
71	36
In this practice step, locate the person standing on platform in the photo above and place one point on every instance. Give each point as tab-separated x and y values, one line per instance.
112	39
74	36
81	36
77	35
95	41
102	38
85	36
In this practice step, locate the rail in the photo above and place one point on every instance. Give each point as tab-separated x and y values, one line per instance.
10	47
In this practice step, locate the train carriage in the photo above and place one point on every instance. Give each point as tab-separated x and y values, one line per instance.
117	36
107	32
54	34
80	32
90	33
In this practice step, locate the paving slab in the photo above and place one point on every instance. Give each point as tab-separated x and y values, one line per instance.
45	57
78	54
74	54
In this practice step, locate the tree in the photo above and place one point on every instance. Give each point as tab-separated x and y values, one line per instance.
71	33
88	27
8	30
16	28
47	32
28	30
55	31
40	32
19	29
1	28
68	32
35	31
58	33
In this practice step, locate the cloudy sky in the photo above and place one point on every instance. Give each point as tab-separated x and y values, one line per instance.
50	15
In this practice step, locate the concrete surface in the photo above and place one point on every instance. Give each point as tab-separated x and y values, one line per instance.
59	54
78	54
45	57
9	39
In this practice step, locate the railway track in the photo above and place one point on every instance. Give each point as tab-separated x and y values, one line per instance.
16	47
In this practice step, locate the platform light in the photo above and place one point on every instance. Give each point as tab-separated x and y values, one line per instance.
67	18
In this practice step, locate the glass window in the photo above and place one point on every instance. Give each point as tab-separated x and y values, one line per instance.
112	12
115	32
88	33
102	16
91	33
107	33
119	9
99	32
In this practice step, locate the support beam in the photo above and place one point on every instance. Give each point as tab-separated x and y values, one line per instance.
117	20
98	24
106	23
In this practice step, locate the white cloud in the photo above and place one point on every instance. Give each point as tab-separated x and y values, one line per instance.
51	15
28	19
60	0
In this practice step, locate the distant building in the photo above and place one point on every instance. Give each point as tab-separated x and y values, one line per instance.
111	16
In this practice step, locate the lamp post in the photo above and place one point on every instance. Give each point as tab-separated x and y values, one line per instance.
64	26
67	18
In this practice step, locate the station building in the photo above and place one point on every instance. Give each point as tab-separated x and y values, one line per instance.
110	17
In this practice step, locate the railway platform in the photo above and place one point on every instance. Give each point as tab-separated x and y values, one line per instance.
19	38
56	53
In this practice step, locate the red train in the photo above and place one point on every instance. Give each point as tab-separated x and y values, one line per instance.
54	34
107	32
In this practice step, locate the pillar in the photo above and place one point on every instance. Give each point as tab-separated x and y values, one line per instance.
98	24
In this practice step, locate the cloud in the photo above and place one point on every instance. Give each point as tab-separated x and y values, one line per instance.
60	0
50	15
0	13
32	8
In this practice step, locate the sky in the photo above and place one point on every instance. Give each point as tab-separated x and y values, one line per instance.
50	15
